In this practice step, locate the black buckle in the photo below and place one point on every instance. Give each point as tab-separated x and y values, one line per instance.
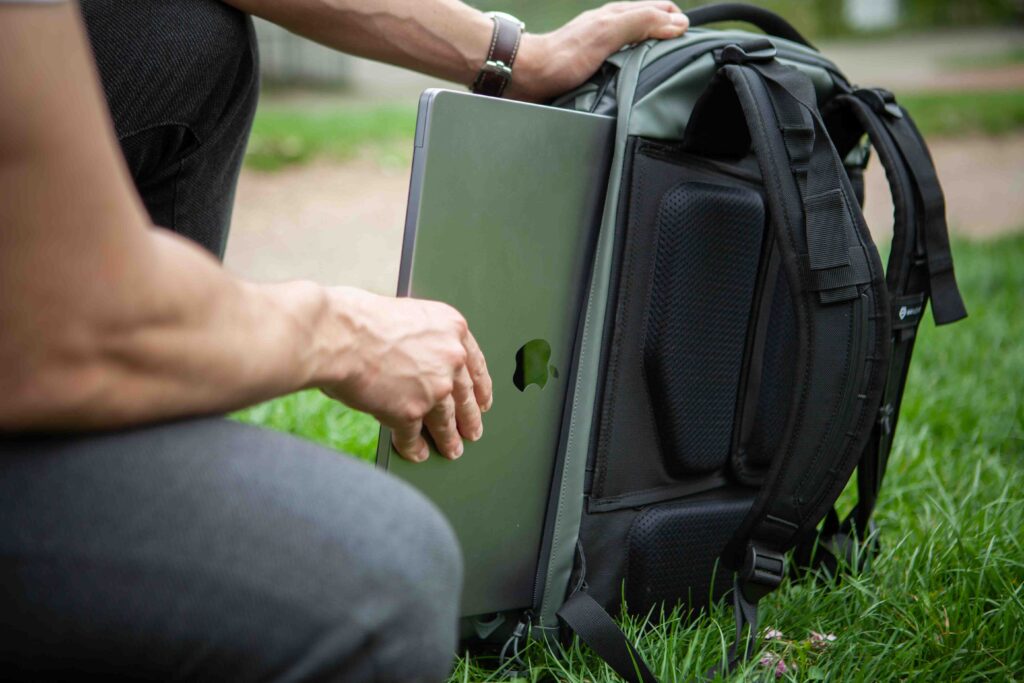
762	572
757	50
880	100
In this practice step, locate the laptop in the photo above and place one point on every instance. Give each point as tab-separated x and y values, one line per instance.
504	204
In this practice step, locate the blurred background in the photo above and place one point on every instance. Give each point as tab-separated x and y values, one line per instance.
323	194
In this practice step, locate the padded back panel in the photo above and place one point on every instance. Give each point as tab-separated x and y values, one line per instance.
673	550
708	251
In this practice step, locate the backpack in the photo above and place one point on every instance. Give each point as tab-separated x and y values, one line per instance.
741	350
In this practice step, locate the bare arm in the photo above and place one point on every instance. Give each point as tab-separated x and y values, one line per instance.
107	322
449	39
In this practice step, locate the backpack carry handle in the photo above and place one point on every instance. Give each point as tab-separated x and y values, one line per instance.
768	21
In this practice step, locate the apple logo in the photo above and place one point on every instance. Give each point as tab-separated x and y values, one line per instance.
533	365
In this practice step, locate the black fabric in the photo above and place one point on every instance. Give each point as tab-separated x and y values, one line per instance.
909	279
181	80
597	629
841	354
706	262
211	550
673	552
775	395
745	613
947	304
631	456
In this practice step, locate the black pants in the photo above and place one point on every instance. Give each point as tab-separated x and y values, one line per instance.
182	81
204	549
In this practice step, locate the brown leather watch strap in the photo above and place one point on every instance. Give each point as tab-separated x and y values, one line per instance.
496	72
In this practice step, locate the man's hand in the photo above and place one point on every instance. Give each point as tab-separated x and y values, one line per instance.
553	63
411	363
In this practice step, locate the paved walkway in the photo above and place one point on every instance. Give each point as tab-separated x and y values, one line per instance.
342	223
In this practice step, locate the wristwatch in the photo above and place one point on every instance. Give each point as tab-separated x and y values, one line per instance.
496	72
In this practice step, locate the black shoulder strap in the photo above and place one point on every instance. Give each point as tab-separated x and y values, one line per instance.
920	264
596	628
839	297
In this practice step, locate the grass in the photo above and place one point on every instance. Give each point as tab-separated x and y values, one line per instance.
951	114
944	600
283	135
289	134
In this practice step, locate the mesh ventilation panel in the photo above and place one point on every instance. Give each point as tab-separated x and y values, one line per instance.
706	263
673	551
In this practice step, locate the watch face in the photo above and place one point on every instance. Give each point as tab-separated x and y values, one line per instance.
506	15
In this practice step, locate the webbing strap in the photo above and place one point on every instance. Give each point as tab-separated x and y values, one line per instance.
947	304
745	613
837	267
596	628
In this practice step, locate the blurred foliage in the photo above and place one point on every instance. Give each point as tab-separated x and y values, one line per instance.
814	18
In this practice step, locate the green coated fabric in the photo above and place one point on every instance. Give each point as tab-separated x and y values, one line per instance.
570	500
663	113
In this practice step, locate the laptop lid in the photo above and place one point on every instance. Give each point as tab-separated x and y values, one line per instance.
504	203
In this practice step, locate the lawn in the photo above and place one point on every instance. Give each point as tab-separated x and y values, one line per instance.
945	598
287	134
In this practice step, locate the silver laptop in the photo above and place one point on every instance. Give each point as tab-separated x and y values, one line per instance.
504	205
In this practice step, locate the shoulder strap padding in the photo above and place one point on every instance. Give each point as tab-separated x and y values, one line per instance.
840	302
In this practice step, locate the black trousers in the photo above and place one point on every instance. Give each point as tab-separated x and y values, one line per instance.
205	549
182	82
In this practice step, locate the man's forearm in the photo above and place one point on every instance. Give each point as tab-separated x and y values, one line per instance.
176	336
449	39
445	38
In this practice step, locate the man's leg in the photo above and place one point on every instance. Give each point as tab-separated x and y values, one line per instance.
212	550
182	81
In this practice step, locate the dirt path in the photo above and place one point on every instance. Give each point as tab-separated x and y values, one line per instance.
342	223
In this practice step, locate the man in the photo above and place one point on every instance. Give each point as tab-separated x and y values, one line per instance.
137	539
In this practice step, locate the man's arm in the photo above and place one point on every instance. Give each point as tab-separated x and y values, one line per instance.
449	39
107	322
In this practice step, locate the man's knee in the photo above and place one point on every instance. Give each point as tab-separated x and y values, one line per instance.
416	614
188	62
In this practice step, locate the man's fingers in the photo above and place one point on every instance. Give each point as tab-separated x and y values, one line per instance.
467	410
663	5
483	387
409	442
441	423
637	24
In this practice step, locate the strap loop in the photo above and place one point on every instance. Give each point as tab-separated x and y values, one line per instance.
757	50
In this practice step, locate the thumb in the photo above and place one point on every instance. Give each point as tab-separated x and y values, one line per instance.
408	440
643	23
